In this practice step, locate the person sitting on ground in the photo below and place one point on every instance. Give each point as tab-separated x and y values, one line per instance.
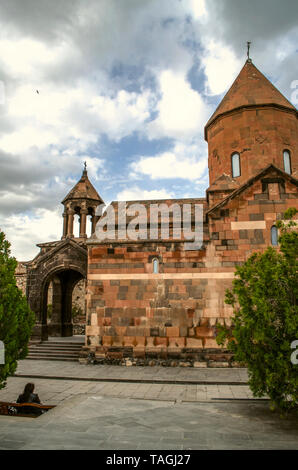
29	397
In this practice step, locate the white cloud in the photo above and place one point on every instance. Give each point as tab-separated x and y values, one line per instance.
24	232
28	58
80	115
122	115
137	194
40	120
198	8
221	67
30	174
186	161
181	110
223	34
95	166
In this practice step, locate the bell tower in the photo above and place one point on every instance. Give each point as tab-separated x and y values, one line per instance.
82	200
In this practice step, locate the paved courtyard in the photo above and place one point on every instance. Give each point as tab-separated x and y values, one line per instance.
108	407
95	422
52	391
57	381
75	370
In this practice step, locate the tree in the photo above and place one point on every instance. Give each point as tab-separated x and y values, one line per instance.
265	321
16	319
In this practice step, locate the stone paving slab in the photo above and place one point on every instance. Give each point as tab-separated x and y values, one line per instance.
96	422
75	370
52	391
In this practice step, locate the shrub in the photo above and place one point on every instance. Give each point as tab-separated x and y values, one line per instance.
16	319
265	321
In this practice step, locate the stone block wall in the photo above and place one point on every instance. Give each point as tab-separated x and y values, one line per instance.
132	312
21	277
245	226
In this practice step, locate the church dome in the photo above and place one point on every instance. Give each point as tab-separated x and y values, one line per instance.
253	126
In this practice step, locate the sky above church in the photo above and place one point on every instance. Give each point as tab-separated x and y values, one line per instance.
127	86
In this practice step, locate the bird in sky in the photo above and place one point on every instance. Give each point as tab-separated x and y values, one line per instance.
37	92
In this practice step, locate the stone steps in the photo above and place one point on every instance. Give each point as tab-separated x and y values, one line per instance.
56	347
55	351
47	358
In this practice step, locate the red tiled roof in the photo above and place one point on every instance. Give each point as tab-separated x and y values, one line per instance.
83	190
250	88
269	169
223	183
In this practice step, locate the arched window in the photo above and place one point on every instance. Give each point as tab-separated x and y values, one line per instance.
155	266
236	165
287	162
274	236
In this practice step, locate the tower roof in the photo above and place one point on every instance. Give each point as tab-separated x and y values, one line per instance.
251	88
83	190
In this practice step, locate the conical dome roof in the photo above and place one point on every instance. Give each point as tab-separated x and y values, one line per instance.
251	88
83	190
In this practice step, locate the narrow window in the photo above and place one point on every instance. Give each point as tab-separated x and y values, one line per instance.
155	266
235	165
287	162
274	236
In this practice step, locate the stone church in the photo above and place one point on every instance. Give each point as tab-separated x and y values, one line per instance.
153	298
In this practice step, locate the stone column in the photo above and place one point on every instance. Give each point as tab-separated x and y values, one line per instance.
39	332
64	215
70	218
83	233
38	304
55	326
94	221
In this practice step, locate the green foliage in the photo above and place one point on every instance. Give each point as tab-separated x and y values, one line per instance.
16	319
265	321
76	311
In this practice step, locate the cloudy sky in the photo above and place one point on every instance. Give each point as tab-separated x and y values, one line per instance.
126	85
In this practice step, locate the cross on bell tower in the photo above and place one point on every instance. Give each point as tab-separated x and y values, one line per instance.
82	200
248	49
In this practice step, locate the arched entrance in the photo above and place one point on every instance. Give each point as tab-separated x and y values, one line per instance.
59	266
57	308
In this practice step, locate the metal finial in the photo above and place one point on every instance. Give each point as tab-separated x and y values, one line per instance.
85	166
248	49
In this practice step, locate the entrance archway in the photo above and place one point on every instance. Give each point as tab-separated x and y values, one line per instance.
58	318
61	264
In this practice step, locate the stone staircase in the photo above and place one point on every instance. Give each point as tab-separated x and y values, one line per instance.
55	350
